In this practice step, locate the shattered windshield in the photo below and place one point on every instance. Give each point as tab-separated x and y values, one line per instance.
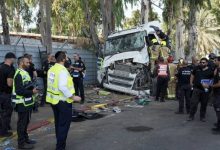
124	43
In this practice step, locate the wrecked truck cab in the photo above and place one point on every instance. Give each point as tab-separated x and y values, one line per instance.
124	66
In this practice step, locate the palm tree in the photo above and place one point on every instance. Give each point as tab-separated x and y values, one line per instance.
208	32
193	35
5	25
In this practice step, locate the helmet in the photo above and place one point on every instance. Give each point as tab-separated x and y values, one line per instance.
212	56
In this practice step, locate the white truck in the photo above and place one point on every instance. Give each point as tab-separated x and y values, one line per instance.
124	65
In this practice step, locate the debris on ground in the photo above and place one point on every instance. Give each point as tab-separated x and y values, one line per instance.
5	143
143	101
103	93
116	109
9	148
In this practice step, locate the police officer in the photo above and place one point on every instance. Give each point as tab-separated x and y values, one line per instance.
46	66
31	69
183	77
198	80
33	74
60	94
216	95
211	63
78	74
163	75
22	97
6	75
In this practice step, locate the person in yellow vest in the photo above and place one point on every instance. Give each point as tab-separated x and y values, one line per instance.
163	75
172	83
22	99
61	95
163	43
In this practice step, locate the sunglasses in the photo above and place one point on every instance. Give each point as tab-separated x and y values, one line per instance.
202	62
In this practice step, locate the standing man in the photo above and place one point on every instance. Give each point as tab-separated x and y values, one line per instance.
216	95
78	74
183	77
46	66
6	75
22	98
163	75
60	94
31	70
33	74
200	94
211	63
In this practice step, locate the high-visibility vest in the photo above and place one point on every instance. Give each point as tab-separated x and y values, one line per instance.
18	99
162	70
172	68
154	41
164	43
54	95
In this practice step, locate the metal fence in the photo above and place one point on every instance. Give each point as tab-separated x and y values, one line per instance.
87	56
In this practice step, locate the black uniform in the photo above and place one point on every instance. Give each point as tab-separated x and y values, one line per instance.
162	83
24	113
6	109
46	66
183	76
211	65
216	97
199	94
78	79
31	70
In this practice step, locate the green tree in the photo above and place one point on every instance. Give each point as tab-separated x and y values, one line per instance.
5	26
20	11
193	35
133	21
208	32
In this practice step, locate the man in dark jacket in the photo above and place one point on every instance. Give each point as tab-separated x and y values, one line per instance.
78	74
22	98
183	77
6	75
216	95
200	82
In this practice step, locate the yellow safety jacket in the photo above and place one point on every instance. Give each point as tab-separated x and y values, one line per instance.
17	99
154	41
164	43
54	95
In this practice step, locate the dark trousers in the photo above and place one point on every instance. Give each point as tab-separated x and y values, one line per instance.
162	83
43	99
5	112
199	96
216	104
79	88
62	116
22	125
184	98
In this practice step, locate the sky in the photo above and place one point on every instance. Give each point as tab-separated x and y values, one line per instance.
129	10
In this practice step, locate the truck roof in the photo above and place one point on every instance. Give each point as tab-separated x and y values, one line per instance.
143	27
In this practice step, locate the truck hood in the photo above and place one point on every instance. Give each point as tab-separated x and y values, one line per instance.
138	57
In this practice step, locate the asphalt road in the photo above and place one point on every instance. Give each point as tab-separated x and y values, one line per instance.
153	127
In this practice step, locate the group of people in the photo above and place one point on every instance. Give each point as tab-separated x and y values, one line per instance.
18	92
196	83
